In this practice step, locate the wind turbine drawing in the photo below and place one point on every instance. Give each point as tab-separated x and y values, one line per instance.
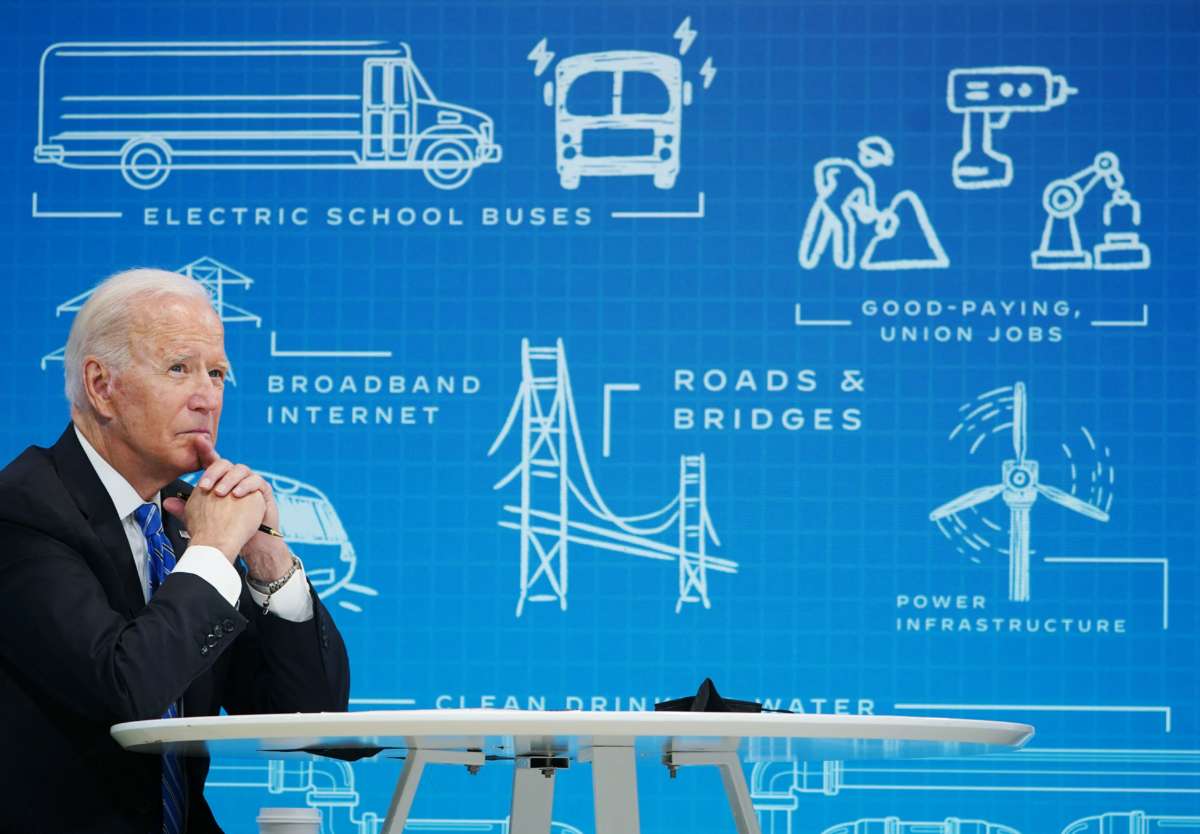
1019	489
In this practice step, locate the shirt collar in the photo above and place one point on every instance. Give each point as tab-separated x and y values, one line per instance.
123	495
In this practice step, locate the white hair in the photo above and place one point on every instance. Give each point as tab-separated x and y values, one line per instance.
102	327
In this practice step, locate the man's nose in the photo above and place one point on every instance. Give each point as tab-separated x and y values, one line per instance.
206	396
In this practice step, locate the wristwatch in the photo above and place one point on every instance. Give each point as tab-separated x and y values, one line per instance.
270	588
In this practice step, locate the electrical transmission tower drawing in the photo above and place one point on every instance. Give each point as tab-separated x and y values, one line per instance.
553	458
213	275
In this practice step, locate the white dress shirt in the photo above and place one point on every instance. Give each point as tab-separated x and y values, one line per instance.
291	602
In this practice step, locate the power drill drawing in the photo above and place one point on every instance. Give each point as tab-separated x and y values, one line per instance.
1061	247
987	97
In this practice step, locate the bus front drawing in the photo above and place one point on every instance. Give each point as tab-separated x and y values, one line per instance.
147	109
618	114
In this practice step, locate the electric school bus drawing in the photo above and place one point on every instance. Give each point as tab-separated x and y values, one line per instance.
315	533
150	108
618	114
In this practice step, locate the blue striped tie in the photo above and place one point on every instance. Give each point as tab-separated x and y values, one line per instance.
161	563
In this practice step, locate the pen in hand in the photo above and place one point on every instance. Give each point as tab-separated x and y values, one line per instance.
185	491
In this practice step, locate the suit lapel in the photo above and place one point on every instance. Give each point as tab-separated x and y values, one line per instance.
83	484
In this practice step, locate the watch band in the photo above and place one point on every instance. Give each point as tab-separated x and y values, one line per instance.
276	585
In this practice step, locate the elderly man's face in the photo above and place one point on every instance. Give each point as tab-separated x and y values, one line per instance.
172	391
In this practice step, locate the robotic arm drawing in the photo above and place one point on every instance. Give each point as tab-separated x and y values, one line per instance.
1063	199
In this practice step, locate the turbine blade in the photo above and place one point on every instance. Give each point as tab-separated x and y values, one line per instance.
962	502
1019	423
1065	499
1018	554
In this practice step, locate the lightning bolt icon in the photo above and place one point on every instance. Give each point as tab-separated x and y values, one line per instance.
541	56
685	34
709	72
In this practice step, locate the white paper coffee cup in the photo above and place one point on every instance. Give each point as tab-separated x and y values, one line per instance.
289	821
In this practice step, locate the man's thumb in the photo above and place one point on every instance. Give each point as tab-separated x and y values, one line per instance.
206	451
175	506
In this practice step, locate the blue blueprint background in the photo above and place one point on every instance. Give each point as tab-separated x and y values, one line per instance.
829	528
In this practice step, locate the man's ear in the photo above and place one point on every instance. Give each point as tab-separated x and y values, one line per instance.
98	382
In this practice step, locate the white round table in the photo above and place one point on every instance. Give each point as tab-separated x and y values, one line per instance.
541	743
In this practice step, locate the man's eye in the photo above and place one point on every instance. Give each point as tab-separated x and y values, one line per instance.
217	373
178	367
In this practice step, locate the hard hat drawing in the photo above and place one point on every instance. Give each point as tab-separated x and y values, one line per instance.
874	151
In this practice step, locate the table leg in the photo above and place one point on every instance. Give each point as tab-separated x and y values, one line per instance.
532	799
410	779
732	777
614	788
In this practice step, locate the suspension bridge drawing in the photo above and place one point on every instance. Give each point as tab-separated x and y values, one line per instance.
553	459
1019	485
213	275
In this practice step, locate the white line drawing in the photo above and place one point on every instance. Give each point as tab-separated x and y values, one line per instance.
1164	711
608	389
1144	321
61	215
213	275
315	532
895	825
1132	822
618	132
800	321
549	430
1019	485
216	277
698	214
686	35
330	786
834	217
846	198
381	702
987	97
1165	564
452	826
325	354
323	783
1064	198
322	105
777	781
541	57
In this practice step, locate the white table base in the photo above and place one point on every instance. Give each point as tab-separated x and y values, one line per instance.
533	794
734	779
410	779
614	786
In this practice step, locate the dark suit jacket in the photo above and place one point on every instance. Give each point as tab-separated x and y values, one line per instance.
80	650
